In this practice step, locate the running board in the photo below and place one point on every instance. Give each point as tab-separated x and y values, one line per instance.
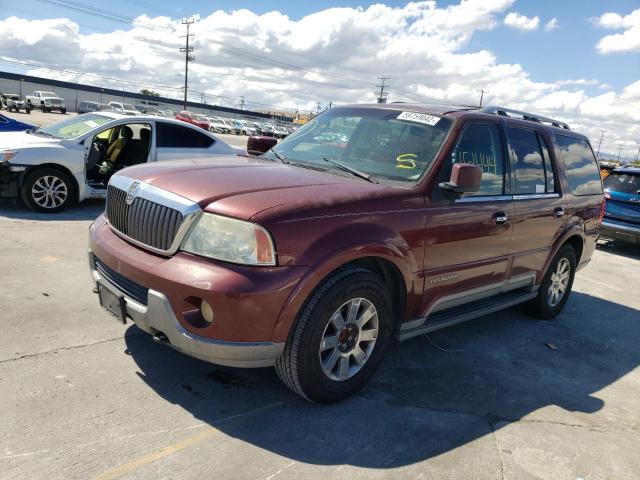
468	311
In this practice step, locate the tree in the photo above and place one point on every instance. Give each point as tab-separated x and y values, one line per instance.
149	93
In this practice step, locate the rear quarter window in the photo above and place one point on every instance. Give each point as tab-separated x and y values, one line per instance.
582	169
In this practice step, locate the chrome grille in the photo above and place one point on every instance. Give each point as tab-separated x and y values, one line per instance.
152	218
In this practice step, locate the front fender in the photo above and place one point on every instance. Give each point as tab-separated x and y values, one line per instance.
330	262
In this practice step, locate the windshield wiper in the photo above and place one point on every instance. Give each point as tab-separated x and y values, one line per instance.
352	171
280	157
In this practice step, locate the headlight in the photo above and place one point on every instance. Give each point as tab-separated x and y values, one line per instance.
230	240
7	155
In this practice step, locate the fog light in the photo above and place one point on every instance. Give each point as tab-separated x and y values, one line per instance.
207	312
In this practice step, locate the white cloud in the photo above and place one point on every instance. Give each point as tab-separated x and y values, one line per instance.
333	55
628	40
521	22
551	25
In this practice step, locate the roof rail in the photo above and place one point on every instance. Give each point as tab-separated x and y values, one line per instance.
532	117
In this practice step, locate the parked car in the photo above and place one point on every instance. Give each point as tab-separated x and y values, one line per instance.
53	167
46	101
87	107
606	168
123	108
8	124
315	255
247	128
622	214
193	119
14	102
216	125
280	132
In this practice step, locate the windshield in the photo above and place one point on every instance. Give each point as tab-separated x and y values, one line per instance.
74	127
385	144
623	183
128	106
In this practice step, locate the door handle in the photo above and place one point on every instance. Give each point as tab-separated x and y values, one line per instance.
500	218
558	211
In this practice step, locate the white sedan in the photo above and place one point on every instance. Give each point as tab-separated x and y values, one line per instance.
51	168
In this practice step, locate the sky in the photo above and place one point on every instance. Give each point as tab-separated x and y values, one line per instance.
578	61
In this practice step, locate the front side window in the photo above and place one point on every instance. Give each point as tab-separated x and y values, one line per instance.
385	144
582	168
529	164
480	145
175	136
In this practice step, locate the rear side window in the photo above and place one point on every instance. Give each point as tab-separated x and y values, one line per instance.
175	136
480	145
532	168
582	169
623	182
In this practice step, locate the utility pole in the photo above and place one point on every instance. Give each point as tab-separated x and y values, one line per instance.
187	56
600	143
382	95
482	92
638	154
242	102
619	152
318	106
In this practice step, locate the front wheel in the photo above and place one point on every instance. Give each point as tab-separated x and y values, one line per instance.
339	339
556	285
63	111
47	190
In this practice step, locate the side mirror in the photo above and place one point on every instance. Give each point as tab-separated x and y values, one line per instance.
465	178
257	145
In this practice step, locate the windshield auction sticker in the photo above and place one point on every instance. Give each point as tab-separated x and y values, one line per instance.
419	118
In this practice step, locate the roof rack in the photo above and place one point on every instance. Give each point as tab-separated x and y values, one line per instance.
532	117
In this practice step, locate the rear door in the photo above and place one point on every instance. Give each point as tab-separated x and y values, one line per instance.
622	191
175	142
540	215
467	239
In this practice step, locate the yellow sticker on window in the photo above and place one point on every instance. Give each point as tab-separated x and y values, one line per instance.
406	160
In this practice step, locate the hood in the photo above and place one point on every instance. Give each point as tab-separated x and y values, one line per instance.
21	140
242	187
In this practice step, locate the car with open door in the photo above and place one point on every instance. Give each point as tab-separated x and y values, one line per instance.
369	223
53	167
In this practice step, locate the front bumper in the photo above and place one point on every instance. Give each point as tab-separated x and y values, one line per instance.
157	319
161	293
620	230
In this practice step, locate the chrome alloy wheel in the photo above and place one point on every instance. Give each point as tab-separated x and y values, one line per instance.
349	339
49	191
559	282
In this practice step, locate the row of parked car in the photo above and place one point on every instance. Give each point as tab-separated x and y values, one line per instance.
235	126
214	124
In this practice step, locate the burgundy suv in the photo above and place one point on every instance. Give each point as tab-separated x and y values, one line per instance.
371	222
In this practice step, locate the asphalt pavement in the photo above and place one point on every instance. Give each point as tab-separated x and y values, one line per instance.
501	397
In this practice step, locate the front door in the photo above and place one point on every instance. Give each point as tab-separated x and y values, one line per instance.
468	239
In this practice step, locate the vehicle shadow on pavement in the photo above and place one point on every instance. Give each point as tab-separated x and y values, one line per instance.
424	401
87	210
623	249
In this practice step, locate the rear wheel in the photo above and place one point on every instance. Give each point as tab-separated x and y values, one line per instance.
47	190
556	285
339	339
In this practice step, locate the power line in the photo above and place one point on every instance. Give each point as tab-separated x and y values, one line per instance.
187	57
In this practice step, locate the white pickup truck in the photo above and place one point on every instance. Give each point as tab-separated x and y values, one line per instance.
46	101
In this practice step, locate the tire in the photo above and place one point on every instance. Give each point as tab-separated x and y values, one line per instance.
300	367
37	180
546	306
63	111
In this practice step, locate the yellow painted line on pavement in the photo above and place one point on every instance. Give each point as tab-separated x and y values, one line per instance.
157	455
120	470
